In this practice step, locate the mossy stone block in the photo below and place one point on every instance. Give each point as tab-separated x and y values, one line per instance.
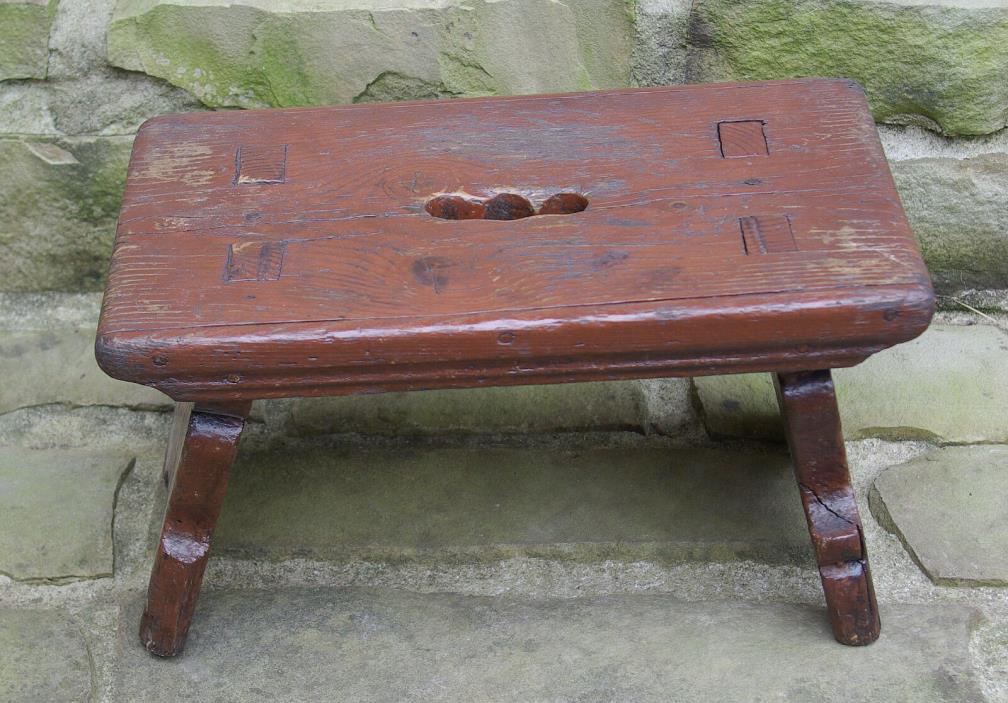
940	65
58	215
24	38
257	53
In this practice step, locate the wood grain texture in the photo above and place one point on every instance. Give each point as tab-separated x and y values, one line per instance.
742	138
329	276
808	403
203	444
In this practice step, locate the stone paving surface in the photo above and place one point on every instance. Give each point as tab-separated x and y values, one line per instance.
56	510
379	645
950	509
43	657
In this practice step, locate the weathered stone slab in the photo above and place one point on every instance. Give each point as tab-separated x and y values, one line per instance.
43	657
950	510
56	509
940	65
659	55
377	645
561	407
951	383
259	53
489	503
24	38
58	366
958	208
57	217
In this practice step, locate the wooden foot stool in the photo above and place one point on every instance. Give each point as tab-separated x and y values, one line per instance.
626	234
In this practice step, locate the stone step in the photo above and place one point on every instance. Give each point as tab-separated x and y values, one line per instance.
603	406
43	657
949	384
379	645
58	366
47	357
482	504
56	512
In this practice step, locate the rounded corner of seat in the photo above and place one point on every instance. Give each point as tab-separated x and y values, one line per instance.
916	309
113	355
157	122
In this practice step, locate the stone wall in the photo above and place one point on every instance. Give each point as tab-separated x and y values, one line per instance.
77	77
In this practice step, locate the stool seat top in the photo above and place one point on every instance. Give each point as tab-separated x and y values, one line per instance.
629	233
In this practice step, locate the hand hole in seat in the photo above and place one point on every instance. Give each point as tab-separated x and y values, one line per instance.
508	206
564	204
455	207
503	206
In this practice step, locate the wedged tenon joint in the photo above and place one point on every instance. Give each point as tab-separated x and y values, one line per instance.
833	522
808	402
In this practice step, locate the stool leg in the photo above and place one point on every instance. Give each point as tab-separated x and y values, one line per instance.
808	403
203	444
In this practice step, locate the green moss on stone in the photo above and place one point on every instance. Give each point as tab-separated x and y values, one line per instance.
58	217
207	52
24	39
391	86
280	54
938	66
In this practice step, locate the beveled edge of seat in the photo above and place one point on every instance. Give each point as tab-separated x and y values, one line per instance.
206	364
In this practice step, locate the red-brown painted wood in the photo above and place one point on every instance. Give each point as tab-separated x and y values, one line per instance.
808	402
263	254
623	234
203	446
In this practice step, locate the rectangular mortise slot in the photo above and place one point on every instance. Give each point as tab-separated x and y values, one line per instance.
767	234
743	138
255	163
255	261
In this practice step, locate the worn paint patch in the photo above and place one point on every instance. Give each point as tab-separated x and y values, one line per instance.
177	161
